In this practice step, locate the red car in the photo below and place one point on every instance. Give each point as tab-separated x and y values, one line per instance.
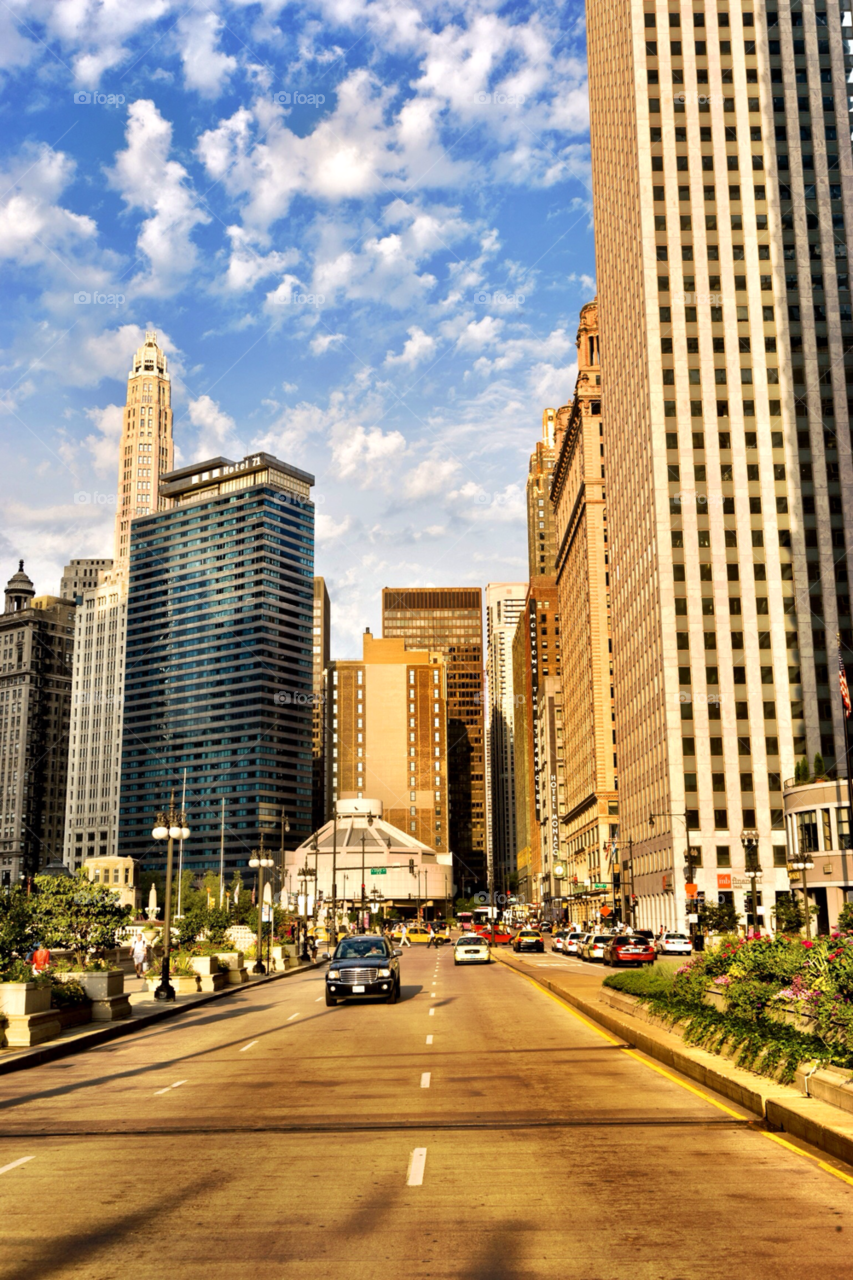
628	948
493	934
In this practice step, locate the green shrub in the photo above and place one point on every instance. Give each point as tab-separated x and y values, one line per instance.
67	995
845	918
16	925
651	981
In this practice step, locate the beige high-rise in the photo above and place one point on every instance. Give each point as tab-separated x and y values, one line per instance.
723	182
583	589
94	769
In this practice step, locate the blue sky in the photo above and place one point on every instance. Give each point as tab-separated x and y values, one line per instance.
362	229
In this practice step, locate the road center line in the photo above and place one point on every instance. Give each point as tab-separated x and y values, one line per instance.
248	1046
417	1161
425	1079
429	1039
431	1012
16	1163
292	1016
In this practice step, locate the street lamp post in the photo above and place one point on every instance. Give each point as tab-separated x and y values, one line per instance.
802	862
260	859
363	894
170	826
285	827
752	864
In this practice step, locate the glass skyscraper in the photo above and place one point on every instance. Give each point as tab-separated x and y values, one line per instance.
219	675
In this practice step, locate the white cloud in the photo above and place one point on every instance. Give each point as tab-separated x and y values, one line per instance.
206	68
419	346
429	478
217	429
247	265
147	179
34	228
325	342
480	333
104	444
329	530
361	453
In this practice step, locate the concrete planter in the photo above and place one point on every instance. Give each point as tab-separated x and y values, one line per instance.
99	984
210	975
20	999
186	986
785	1013
237	973
717	998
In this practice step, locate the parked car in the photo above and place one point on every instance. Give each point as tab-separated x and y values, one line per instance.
546	926
496	935
594	948
366	966
528	940
570	944
471	948
628	948
648	934
558	938
673	944
581	943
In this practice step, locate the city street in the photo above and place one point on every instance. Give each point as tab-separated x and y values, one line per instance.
479	1130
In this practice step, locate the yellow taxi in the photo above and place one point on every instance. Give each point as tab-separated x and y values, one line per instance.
414	933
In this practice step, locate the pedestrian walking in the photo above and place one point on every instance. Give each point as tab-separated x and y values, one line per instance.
431	938
404	937
139	954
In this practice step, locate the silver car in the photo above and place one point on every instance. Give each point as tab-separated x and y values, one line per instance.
571	943
594	949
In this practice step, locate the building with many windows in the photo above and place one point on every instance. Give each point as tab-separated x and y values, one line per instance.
541	541
389	735
219	678
721	160
100	587
504	602
449	620
590	818
36	648
321	799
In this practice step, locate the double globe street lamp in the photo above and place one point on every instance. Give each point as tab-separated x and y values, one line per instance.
260	859
170	826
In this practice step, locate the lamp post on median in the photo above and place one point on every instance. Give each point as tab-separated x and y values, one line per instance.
170	826
260	859
802	862
749	840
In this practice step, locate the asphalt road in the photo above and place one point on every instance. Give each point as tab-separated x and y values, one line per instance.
477	1130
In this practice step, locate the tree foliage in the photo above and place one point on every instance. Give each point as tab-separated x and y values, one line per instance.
16	926
790	916
78	914
718	917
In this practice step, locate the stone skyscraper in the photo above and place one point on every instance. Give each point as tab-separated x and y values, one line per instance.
541	547
145	453
723	186
504	603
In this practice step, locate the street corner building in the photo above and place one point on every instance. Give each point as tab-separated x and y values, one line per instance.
723	187
219	670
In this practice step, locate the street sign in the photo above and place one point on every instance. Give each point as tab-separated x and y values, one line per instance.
605	910
378	871
691	890
692	918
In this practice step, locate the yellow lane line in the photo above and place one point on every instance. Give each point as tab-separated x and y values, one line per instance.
821	1164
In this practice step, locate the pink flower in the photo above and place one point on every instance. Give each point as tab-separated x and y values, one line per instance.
806	943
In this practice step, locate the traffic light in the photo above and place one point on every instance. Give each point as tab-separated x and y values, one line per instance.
411	866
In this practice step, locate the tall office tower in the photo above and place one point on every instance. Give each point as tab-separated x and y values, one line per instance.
81	575
504	602
721	217
94	774
322	652
146	451
219	675
449	620
541	544
536	697
591	821
36	647
389	735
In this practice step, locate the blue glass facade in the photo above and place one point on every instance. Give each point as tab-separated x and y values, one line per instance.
219	661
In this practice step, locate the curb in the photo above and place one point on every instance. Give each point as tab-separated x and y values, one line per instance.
50	1052
818	1123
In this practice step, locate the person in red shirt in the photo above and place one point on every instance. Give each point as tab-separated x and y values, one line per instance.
41	958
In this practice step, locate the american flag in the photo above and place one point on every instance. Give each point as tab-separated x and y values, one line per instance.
842	682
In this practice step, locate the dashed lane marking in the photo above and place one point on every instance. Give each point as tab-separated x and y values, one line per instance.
292	1016
425	1079
248	1046
431	1012
169	1088
429	1039
15	1163
417	1162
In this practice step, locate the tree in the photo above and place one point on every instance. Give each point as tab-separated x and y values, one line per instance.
16	926
718	917
801	770
845	918
819	767
790	916
78	914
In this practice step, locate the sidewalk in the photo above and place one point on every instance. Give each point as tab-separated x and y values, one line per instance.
146	1012
782	1107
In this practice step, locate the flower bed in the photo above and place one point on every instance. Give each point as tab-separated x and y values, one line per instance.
777	1001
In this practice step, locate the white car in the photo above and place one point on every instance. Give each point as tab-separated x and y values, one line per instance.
571	943
471	949
673	944
594	949
558	939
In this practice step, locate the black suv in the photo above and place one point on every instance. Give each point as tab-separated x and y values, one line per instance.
364	966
